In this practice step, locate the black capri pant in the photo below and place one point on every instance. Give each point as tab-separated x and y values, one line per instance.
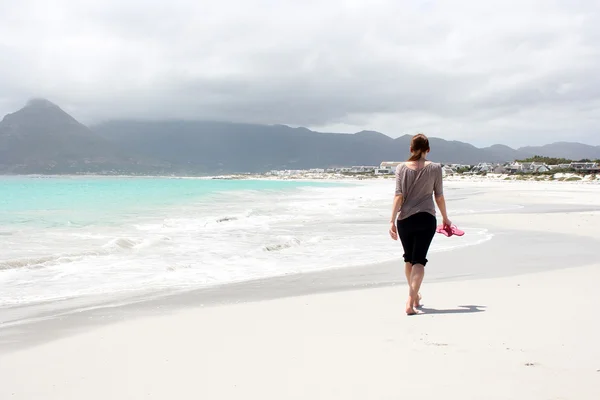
416	233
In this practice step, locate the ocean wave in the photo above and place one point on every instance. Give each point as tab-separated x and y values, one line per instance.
199	222
282	246
26	262
113	246
43	261
227	219
122	243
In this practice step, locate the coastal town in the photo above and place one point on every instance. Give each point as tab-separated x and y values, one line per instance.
538	170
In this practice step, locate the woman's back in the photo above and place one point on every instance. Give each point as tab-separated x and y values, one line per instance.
417	185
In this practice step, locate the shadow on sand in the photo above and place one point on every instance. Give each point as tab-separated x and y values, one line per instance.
459	310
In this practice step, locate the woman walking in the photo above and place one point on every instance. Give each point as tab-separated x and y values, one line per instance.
418	181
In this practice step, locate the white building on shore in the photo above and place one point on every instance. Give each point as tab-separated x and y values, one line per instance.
387	167
390	164
585	166
446	171
360	169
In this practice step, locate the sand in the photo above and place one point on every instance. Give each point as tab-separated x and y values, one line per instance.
526	328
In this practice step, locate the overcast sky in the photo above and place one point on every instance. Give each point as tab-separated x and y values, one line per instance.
517	72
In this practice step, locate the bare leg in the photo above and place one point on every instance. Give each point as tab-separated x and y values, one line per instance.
408	272
416	279
410	309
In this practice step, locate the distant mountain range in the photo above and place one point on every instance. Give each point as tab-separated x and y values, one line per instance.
42	138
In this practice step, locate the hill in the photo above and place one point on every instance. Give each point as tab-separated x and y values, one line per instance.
220	147
568	150
42	138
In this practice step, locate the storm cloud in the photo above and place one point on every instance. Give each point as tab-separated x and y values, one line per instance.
497	71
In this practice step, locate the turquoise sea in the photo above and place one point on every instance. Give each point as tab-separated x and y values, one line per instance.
77	201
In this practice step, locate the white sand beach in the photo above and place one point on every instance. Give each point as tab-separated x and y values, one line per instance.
515	317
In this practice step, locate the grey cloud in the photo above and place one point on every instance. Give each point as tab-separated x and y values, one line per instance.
519	72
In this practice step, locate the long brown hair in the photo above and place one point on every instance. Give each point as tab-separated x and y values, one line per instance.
419	145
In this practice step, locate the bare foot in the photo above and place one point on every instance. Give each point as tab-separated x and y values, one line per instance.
409	308
417	303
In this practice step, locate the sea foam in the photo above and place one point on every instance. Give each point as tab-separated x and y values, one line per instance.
222	236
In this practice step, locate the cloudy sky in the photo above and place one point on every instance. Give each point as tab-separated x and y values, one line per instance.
517	72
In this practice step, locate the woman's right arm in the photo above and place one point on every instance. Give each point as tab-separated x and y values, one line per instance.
441	203
438	189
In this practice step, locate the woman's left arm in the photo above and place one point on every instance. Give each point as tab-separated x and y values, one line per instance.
395	209
397	203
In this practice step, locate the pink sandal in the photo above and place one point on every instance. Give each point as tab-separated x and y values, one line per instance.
449	230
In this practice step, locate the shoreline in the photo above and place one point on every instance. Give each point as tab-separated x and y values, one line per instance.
570	178
17	331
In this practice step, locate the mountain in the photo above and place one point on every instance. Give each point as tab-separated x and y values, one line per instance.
503	152
569	150
42	138
219	147
212	147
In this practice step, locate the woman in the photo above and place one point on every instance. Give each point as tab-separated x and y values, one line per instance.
413	213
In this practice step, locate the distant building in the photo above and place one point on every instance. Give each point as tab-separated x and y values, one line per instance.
514	168
587	166
362	169
390	164
483	167
447	171
527	167
500	169
384	171
461	166
539	167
